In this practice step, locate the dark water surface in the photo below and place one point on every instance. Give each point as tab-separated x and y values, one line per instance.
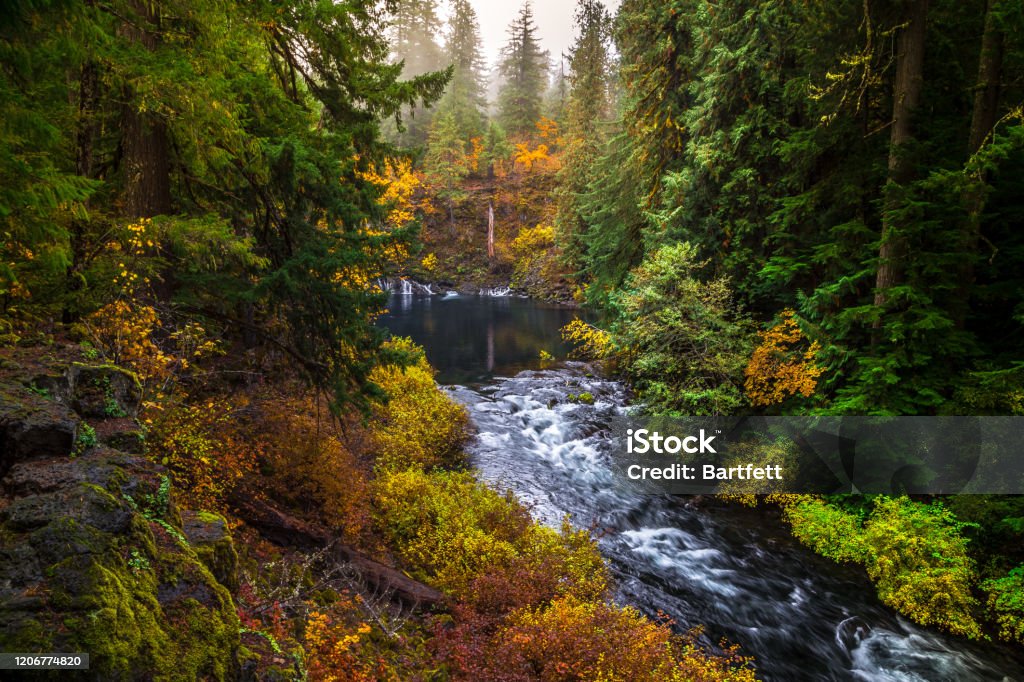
471	339
737	572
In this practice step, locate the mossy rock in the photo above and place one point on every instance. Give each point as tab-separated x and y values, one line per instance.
104	391
82	568
33	427
210	538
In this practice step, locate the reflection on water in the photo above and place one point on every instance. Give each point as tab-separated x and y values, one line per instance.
471	339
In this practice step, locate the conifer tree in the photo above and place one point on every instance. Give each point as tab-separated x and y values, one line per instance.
523	69
465	98
587	111
414	32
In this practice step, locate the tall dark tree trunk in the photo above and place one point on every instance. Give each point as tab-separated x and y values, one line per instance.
986	91
906	95
983	119
85	143
145	146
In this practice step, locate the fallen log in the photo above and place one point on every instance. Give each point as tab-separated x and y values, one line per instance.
285	530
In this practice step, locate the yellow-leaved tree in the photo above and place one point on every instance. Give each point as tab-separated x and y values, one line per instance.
783	365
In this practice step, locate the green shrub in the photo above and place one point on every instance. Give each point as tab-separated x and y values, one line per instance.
418	425
1006	603
914	553
685	345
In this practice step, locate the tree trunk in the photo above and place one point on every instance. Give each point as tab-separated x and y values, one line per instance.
145	148
85	141
906	96
490	230
282	529
983	119
986	92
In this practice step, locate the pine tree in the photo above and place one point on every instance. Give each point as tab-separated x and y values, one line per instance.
465	98
248	138
556	99
587	111
446	163
414	32
523	68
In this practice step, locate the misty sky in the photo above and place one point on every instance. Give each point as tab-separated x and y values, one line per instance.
553	18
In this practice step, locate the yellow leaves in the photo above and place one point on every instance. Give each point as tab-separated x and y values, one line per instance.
528	158
331	647
419	425
403	193
778	369
123	332
533	239
429	263
547	130
590	341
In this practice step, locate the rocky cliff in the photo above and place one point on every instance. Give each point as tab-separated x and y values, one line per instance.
95	556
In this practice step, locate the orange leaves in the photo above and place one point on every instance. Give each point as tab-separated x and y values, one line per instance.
547	130
200	445
308	464
778	369
527	158
332	648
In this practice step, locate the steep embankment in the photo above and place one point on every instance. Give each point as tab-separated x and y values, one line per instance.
95	556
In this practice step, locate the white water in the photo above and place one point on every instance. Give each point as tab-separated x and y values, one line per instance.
735	572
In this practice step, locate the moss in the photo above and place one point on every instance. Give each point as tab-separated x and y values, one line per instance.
31	636
209	517
208	535
173	621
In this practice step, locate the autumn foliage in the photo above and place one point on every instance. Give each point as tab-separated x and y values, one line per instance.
783	365
418	425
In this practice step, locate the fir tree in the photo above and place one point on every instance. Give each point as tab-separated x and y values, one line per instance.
586	120
465	98
523	69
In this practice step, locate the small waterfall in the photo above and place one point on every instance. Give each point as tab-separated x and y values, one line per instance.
497	292
406	289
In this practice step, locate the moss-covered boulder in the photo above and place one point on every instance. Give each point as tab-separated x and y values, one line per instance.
209	536
33	426
104	391
94	558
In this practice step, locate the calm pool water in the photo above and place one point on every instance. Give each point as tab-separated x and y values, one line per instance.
472	339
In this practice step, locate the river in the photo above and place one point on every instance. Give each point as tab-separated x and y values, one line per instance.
735	571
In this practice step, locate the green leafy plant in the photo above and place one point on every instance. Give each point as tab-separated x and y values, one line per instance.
86	439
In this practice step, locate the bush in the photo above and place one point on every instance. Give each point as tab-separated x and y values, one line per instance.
309	467
918	559
914	553
783	365
455	533
573	639
685	345
1006	603
418	425
826	529
198	444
